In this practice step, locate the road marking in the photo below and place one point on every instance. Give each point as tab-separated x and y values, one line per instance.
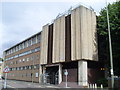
10	86
29	84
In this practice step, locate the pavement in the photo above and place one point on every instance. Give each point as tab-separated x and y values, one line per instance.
1	83
23	84
16	85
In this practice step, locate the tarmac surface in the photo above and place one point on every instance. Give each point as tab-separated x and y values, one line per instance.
22	85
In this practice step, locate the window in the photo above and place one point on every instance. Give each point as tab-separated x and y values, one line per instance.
20	47
27	59
5	53
33	50
35	67
25	67
10	69
17	48
24	53
38	38
21	68
20	60
14	49
25	44
36	74
17	68
23	60
10	51
29	42
37	49
15	56
34	40
30	67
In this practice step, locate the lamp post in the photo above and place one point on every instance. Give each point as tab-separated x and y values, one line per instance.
110	48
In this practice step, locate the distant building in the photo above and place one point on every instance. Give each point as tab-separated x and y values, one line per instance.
0	70
69	43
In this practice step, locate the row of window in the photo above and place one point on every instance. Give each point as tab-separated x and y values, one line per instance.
22	75
25	44
25	67
30	58
24	53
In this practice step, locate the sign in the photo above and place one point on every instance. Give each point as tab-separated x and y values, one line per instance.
66	72
6	69
36	74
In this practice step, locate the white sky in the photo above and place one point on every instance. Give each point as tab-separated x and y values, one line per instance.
19	19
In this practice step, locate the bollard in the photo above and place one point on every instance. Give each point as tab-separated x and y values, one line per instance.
101	86
90	85
95	85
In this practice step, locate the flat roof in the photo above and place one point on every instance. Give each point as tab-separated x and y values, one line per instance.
23	41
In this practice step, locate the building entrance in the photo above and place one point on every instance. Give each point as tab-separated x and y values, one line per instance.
52	74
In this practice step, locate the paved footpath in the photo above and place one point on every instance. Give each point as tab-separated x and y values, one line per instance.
16	85
22	84
1	83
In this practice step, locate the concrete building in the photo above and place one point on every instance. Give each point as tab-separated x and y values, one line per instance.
69	43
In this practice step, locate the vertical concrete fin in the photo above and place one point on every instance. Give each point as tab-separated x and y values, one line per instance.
44	45
62	39
84	36
94	35
89	34
78	34
59	40
73	35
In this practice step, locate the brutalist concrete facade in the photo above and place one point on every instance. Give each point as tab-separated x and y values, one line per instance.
69	43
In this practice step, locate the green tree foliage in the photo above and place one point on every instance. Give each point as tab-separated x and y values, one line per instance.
114	17
1	59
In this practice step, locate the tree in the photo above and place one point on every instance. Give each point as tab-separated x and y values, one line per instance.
114	15
1	59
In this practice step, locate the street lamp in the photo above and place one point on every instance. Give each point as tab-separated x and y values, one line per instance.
110	48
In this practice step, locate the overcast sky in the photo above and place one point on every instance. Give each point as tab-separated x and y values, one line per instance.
19	19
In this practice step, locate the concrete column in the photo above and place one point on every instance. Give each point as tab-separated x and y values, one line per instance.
43	69
44	79
40	72
82	73
60	73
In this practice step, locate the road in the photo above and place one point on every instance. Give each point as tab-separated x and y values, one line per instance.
16	85
22	84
